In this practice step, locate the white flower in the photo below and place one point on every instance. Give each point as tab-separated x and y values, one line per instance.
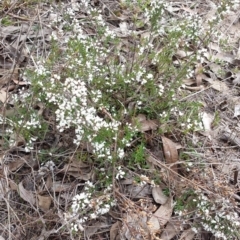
120	174
93	215
194	230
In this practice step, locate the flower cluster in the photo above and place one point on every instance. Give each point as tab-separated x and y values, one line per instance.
87	206
46	167
218	217
95	71
120	173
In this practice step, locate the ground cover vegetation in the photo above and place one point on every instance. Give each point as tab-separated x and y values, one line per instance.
119	119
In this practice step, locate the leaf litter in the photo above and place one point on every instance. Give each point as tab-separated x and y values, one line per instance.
161	219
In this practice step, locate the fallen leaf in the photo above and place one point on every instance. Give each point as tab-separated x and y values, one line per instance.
114	230
237	78
170	152
135	226
60	187
6	75
199	74
226	57
9	88
159	196
48	183
91	230
207	119
152	160
216	69
145	124
183	54
161	216
137	191
140	117
219	86
187	234
15	164
13	185
124	27
197	88
214	46
3	96
236	110
189	81
78	169
20	82
44	202
171	230
28	196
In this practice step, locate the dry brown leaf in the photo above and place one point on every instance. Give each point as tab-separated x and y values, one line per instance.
170	152
44	202
28	196
114	230
219	86
6	75
137	191
13	185
140	118
78	169
226	57
10	30
182	53
91	230
135	226
15	164
48	183
216	69
207	78
159	196
237	78
20	82
9	88
189	81
199	74
197	88
150	159
187	234
171	230
144	124
149	125
60	187
161	216
3	96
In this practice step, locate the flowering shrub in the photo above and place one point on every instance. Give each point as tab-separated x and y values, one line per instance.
217	217
87	206
95	85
